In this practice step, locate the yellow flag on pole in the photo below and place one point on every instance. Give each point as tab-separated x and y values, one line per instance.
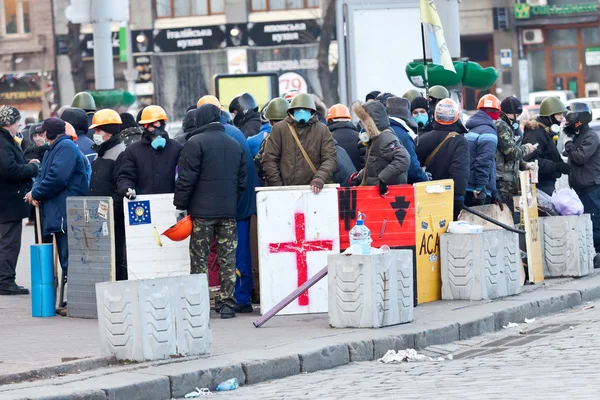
439	49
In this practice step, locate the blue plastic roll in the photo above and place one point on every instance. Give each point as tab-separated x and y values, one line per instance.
43	295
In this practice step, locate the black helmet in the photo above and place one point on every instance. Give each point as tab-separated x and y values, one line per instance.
243	104
511	105
578	116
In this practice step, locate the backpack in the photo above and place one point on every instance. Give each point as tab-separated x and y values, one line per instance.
258	159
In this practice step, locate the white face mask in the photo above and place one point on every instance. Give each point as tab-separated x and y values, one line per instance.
98	139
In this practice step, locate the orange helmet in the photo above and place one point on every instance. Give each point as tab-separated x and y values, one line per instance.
489	101
447	112
106	117
209	99
180	231
70	130
338	111
152	114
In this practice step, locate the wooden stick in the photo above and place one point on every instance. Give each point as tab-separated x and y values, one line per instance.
38	225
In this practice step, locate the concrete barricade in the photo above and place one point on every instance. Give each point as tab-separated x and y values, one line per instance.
154	319
480	266
567	246
371	291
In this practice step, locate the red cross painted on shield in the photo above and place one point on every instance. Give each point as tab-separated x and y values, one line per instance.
301	246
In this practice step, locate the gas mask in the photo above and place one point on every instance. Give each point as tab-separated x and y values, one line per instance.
158	143
302	116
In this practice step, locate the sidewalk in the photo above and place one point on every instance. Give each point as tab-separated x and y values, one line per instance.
285	346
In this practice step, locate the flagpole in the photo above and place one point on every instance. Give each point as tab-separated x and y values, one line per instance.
425	65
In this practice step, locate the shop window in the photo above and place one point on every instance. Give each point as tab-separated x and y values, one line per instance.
562	37
186	8
564	61
590	35
16	17
276	5
537	63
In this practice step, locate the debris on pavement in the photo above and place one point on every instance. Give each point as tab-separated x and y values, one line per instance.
198	393
408	355
230	384
510	325
529	321
571	327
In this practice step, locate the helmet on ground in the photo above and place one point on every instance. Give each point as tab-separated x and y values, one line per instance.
303	100
85	101
447	112
489	101
578	114
180	231
290	94
106	117
412	94
208	99
439	92
152	114
277	109
338	111
511	105
243	104
551	106
70	131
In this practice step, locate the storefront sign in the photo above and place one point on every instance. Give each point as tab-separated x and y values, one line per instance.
187	39
526	11
141	41
283	32
237	61
592	56
143	84
21	87
506	58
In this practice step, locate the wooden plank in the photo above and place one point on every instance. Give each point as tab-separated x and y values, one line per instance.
298	187
532	228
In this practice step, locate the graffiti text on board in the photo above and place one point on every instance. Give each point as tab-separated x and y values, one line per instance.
429	244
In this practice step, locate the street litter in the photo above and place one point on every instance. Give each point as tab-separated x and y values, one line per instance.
510	325
571	327
408	355
589	307
230	384
198	393
529	321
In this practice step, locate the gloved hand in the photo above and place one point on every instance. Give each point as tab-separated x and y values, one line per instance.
36	163
429	176
383	189
562	167
180	214
479	195
353	181
529	148
130	194
497	199
316	185
530	166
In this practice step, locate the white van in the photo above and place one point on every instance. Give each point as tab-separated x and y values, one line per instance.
538	97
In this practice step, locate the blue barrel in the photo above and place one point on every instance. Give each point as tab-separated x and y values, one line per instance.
43	295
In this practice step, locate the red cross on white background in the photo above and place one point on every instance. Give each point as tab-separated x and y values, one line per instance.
301	246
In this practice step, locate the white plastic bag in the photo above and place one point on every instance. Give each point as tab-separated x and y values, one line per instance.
566	202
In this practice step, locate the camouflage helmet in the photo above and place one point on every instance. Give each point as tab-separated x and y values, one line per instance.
85	101
551	106
412	94
303	100
439	92
277	109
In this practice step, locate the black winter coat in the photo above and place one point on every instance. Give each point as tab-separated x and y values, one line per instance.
249	124
105	170
212	174
547	154
15	179
346	134
584	158
35	152
149	171
345	168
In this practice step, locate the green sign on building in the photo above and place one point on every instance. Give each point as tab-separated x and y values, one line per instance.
526	11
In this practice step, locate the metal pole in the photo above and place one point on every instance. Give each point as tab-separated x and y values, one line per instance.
131	75
425	65
103	55
341	39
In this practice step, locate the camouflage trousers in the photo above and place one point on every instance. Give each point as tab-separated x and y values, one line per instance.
507	191
225	234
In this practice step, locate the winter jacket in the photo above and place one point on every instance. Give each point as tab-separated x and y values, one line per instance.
345	168
546	154
483	142
509	156
249	124
149	171
63	174
35	152
386	161
131	135
346	134
584	158
212	172
255	141
452	159
283	162
415	172
15	179
105	170
78	118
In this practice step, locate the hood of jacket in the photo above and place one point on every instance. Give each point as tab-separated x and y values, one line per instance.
207	114
78	118
334	126
481	119
400	122
538	123
240	119
321	108
373	116
189	121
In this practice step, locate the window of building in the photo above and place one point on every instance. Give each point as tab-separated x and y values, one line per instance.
276	5
14	17
187	8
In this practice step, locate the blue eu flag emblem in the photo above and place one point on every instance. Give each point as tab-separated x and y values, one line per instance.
139	213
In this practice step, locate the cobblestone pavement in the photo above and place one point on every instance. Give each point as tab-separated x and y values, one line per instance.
556	357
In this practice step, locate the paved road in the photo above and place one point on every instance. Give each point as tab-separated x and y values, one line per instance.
558	358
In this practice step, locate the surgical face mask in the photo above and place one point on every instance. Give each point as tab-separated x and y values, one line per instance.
421	120
302	116
98	139
158	143
364	137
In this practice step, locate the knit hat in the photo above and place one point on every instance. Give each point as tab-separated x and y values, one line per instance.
511	105
398	107
128	121
9	115
418	102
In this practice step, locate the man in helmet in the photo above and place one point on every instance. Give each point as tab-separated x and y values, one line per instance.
510	151
339	122
437	93
105	173
543	132
149	166
79	119
284	161
412	94
245	114
277	112
212	179
444	151
86	102
583	148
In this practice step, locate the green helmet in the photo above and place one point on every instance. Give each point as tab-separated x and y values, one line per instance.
277	109
303	100
412	94
439	92
85	101
551	106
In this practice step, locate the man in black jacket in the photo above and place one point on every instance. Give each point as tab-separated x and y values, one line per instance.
212	178
15	181
339	122
105	173
246	115
149	166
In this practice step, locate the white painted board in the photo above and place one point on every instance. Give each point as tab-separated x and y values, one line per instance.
280	223
146	257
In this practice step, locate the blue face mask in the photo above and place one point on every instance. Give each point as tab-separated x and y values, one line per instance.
158	143
302	116
421	120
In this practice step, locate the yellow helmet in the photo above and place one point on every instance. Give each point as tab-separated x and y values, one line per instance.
151	114
209	99
106	117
